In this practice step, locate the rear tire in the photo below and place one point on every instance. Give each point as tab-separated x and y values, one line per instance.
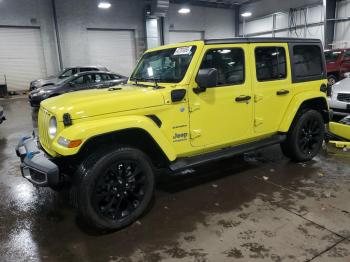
115	189
305	137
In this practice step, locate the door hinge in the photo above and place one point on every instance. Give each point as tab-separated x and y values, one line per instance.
195	133
257	98
194	107
258	121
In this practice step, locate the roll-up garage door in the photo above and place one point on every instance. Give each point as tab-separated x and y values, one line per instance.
114	49
184	36
21	57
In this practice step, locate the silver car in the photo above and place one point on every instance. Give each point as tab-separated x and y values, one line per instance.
339	100
67	72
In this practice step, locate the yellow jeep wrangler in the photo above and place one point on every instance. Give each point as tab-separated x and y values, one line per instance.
184	105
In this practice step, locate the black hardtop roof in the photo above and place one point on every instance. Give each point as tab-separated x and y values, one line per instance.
260	40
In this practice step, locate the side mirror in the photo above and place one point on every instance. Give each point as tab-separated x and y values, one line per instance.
206	78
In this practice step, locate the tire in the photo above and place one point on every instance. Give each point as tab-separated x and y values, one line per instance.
332	79
114	189
305	137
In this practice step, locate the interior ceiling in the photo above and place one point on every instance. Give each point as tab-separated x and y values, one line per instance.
215	3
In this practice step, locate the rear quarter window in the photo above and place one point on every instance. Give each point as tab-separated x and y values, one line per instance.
308	62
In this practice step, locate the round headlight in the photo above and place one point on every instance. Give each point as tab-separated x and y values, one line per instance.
53	127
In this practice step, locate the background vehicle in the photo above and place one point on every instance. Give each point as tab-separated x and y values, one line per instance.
185	105
80	81
2	117
339	100
338	63
67	72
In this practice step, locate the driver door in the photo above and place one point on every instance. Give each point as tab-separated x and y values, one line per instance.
223	114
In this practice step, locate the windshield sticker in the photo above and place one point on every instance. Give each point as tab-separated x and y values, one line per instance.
185	50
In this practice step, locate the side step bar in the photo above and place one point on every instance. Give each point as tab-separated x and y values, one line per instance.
189	162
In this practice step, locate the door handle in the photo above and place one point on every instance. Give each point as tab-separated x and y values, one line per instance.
282	92
243	98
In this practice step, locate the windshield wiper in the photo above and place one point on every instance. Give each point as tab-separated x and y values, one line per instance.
154	80
137	80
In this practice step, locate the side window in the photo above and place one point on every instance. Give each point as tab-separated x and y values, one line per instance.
115	76
229	63
98	78
85	79
85	69
307	61
270	63
69	72
106	77
78	81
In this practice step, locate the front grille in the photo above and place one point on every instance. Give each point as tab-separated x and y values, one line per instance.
43	126
37	176
344	97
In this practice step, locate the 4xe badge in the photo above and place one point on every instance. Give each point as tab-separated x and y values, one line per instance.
178	137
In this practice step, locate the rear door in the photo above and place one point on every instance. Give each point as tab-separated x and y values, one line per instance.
272	85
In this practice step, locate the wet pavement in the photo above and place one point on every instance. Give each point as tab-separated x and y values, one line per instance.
258	208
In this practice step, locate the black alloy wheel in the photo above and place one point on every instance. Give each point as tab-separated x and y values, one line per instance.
310	136
120	190
113	187
305	136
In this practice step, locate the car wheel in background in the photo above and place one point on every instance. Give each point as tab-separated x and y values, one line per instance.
332	79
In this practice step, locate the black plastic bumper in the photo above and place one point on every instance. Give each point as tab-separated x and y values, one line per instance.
36	166
35	101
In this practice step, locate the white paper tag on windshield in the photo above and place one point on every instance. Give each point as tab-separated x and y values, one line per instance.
185	50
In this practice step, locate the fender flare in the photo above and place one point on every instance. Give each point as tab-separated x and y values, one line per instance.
295	105
87	130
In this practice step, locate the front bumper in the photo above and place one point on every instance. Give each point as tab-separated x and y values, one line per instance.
36	166
339	107
35	100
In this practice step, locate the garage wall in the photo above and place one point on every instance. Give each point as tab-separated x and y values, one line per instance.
213	22
74	17
114	49
342	28
21	56
278	24
33	13
265	7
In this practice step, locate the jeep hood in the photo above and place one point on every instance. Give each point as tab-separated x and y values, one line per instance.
96	102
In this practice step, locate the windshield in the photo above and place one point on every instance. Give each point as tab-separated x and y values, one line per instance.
168	65
66	79
332	56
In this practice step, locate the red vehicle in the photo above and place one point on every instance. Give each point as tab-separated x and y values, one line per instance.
338	63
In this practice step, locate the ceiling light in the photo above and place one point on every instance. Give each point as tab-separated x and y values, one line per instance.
246	14
104	5
184	10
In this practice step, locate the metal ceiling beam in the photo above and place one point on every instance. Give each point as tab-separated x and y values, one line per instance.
204	3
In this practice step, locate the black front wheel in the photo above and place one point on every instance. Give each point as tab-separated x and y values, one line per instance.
305	137
115	189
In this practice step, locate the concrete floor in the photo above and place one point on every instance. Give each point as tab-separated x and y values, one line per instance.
262	208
